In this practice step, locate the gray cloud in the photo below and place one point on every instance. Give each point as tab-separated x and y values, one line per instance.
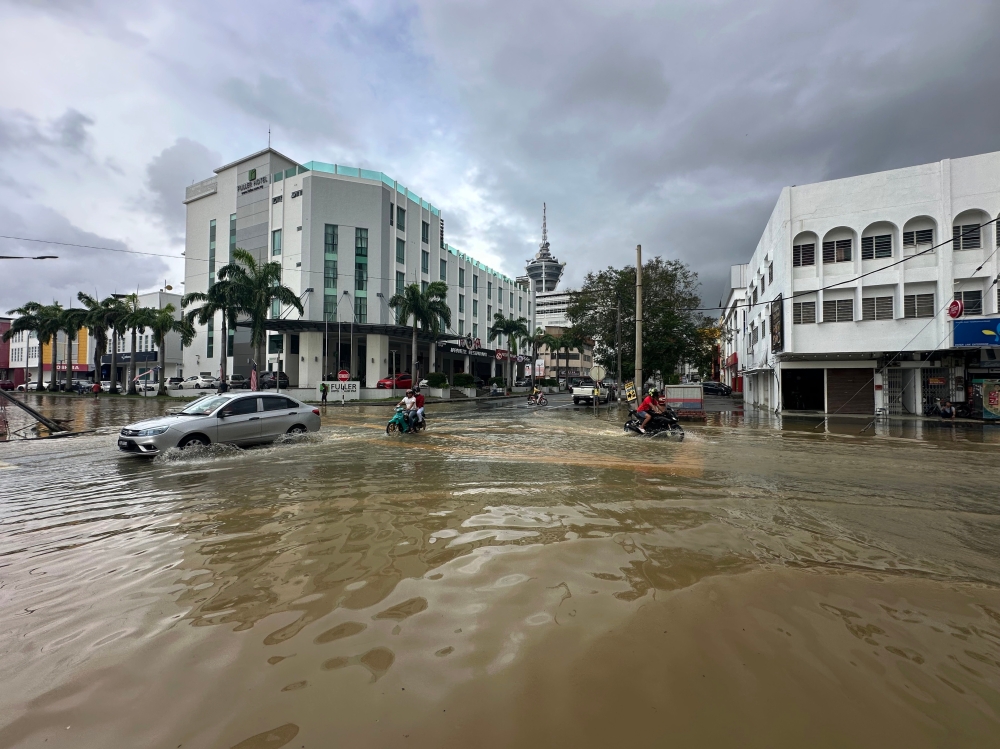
21	132
173	169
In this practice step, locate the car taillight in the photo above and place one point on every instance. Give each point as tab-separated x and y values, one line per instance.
316	411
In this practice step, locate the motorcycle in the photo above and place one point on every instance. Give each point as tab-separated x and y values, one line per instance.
398	423
664	424
538	400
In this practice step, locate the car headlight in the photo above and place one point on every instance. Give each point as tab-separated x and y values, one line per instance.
152	432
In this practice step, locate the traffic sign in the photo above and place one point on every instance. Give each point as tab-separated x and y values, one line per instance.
598	373
343	375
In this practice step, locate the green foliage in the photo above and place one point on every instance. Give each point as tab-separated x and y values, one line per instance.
549	382
464	380
672	331
497	381
437	380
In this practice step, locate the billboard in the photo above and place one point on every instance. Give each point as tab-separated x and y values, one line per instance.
977	332
777	325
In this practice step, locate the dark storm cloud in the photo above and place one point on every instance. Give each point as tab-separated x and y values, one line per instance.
20	132
76	269
676	126
167	175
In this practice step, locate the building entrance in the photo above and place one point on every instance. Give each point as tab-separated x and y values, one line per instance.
802	390
850	391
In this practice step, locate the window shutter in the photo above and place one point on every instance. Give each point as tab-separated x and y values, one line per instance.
845	310
829	254
883	308
925	236
843	250
867	305
808	312
883	246
867	248
908	240
829	310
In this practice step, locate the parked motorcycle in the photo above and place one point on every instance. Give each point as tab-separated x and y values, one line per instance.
665	425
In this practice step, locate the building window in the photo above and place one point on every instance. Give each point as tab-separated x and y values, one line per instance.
461	327
275	343
475	308
210	341
423	286
876	308
973	301
361	243
968	237
803	254
276	242
330	307
425	232
275	309
400	281
874	248
425	261
392	210
803	312
489	313
444	270
753	335
361	309
475	330
400	218
754	295
763	285
475	283
461	278
400	250
489	289
918	305
512	300
330	239
921	236
838	310
461	303
770	272
361	276
837	252
211	253
330	273
519	302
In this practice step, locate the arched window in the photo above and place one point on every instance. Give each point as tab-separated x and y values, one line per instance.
877	241
968	232
804	249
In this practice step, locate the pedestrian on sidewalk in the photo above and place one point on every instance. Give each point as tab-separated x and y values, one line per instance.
948	411
323	391
96	389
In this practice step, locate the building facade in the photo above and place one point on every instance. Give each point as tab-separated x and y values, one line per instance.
25	352
847	306
347	239
730	332
146	351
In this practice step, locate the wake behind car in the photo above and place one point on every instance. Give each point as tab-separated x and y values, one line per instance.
238	419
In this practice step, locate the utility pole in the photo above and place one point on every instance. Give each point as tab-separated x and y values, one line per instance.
638	320
618	346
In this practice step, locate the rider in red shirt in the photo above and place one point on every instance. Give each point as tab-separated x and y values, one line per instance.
650	405
420	403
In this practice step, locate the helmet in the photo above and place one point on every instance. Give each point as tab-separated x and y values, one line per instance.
410	390
654	391
416	390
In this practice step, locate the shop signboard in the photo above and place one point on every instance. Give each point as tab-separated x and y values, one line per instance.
977	332
777	325
630	395
991	400
459	349
337	390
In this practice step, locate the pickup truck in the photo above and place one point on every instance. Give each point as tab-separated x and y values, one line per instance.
586	390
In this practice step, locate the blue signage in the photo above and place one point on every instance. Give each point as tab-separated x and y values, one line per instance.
978	332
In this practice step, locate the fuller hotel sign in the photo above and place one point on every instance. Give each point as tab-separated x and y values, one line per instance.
252	184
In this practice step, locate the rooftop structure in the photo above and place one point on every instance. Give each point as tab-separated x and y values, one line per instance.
544	269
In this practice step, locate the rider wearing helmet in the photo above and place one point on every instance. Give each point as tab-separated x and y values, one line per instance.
409	405
420	403
650	405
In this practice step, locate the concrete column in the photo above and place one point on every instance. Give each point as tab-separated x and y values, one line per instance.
432	357
468	365
290	361
377	366
310	360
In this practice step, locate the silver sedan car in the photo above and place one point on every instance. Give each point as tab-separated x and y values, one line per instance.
234	418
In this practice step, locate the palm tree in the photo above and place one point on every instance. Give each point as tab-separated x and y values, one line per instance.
162	322
27	321
97	323
426	307
255	286
512	330
217	299
539	339
49	316
572	339
115	317
70	322
136	318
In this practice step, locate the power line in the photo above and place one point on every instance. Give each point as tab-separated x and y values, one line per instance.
91	247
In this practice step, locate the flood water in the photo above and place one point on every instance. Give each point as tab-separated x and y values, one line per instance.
510	577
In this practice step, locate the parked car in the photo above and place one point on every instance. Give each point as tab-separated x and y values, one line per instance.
200	382
175	383
710	387
106	385
239	382
524	382
232	418
267	380
403	380
29	386
6	384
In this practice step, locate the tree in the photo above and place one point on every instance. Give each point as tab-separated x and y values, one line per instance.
27	321
218	299
136	319
255	286
50	321
70	322
161	322
98	313
115	315
673	331
426	307
539	339
572	339
512	330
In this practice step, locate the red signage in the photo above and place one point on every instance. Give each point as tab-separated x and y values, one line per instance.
501	354
955	309
343	375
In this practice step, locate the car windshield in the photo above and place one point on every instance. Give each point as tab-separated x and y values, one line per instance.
206	405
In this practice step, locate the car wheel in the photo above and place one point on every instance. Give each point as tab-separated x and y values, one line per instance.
576	401
195	440
297	429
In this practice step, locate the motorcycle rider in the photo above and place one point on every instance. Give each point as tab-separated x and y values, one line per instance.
650	405
409	405
420	403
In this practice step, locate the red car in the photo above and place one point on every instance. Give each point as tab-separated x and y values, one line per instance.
6	384
404	381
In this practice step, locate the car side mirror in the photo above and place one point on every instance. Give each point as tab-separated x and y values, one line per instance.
224	414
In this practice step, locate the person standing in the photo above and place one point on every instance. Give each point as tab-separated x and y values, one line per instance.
96	389
323	391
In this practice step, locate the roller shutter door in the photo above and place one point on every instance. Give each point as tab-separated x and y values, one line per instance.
850	391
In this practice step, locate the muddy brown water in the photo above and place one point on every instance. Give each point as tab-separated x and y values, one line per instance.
510	577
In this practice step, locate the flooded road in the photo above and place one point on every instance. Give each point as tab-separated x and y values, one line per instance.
510	577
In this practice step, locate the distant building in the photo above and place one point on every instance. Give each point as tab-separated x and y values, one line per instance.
544	270
729	327
146	352
6	373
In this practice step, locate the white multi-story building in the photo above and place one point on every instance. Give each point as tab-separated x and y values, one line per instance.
846	308
729	328
347	239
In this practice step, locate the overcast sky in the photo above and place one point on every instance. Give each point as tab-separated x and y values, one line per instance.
670	124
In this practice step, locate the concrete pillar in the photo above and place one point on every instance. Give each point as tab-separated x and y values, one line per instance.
290	361
468	364
309	361
377	366
432	357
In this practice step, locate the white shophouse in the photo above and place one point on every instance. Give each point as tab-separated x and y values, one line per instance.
347	239
832	321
